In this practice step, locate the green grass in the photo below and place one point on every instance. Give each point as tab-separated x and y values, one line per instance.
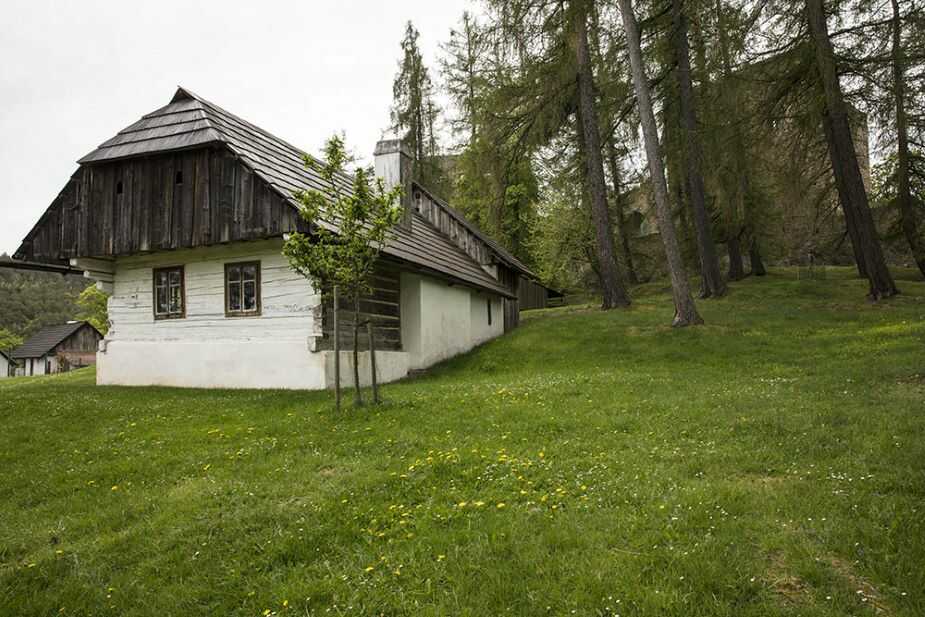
769	463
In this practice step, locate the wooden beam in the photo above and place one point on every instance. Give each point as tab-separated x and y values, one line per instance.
94	265
36	266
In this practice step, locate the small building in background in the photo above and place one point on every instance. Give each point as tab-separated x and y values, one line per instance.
58	349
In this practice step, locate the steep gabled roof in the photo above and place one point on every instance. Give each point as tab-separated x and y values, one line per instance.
190	121
47	339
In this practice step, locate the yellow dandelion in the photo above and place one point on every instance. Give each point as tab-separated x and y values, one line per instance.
115	487
369	568
478	504
462	504
500	505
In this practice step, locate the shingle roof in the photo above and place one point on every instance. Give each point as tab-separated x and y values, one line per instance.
190	121
47	339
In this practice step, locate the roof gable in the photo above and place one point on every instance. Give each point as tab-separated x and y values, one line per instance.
188	121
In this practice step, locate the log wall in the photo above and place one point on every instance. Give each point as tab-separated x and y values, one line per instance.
381	306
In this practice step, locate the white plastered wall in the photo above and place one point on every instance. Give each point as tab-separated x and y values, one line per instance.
206	348
440	320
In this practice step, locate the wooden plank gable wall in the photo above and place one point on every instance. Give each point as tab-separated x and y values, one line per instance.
179	200
441	218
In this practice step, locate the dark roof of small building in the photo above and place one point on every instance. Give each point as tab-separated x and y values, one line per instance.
190	121
46	339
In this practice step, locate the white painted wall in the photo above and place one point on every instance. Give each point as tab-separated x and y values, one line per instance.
35	366
275	349
207	349
390	366
440	321
480	330
4	367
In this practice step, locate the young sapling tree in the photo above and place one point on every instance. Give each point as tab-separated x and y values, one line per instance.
350	220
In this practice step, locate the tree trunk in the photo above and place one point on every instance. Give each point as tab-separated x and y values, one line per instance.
677	186
685	309
754	255
736	267
904	192
613	288
739	205
358	395
712	283
848	180
621	218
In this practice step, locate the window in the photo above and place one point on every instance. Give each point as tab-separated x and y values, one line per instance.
169	296
242	289
178	178
488	303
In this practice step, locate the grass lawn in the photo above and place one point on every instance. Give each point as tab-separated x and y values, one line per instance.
769	463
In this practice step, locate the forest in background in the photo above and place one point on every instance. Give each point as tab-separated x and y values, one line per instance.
607	144
30	301
762	116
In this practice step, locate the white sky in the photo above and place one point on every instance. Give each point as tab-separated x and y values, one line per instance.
74	73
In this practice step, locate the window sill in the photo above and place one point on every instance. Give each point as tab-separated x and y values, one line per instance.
169	317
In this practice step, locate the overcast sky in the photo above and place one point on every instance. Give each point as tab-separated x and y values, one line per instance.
74	73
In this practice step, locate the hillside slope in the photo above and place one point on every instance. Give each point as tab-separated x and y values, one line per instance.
769	463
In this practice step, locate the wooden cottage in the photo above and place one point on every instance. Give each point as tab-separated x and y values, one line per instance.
58	349
181	218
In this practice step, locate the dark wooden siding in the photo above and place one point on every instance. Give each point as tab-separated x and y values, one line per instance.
180	200
531	295
382	307
511	280
79	349
85	339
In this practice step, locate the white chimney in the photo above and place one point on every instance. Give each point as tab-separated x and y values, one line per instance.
392	162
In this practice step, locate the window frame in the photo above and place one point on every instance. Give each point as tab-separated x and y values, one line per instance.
488	302
256	312
168	314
